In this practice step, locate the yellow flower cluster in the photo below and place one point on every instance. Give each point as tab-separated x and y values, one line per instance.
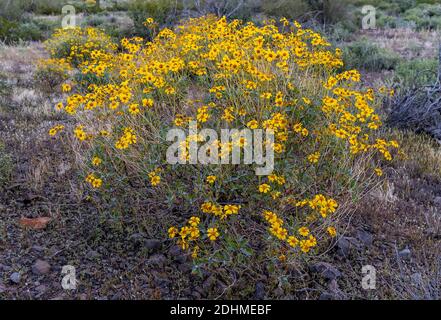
79	45
224	75
220	211
54	130
94	181
154	177
306	243
128	138
191	232
320	204
80	133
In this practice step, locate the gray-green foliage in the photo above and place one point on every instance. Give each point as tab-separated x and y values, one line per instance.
164	12
416	72
116	25
6	166
366	55
425	16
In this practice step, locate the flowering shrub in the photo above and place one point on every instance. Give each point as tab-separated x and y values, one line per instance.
80	46
51	73
225	75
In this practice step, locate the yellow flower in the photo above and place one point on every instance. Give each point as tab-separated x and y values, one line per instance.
59	106
281	180
147	102
305	132
96	161
332	232
207	207
170	90
293	241
66	87
183	244
304	246
79	133
306	100
54	130
96	183
149	21
303	231
154	180
314	158
378	172
264	188
212	234
275	194
194	221
231	209
253	124
172	232
194	233
211	179
134	108
195	252
266	95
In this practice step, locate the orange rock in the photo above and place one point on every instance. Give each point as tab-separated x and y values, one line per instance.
35	223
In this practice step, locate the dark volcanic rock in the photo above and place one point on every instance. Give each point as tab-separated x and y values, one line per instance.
41	267
326	270
15	277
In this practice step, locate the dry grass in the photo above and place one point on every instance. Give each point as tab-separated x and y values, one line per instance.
408	43
401	214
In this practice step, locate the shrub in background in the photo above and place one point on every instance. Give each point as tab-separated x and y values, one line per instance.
5	86
294	10
416	72
117	25
51	73
65	44
165	13
366	55
425	16
6	166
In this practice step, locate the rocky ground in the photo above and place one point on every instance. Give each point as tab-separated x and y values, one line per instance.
396	228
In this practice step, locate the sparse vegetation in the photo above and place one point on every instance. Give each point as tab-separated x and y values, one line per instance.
6	166
365	55
417	73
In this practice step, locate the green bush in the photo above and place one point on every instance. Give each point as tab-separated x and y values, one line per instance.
425	16
291	9
11	31
324	11
365	55
6	166
6	28
12	10
165	12
416	72
5	86
118	26
335	11
47	7
28	31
